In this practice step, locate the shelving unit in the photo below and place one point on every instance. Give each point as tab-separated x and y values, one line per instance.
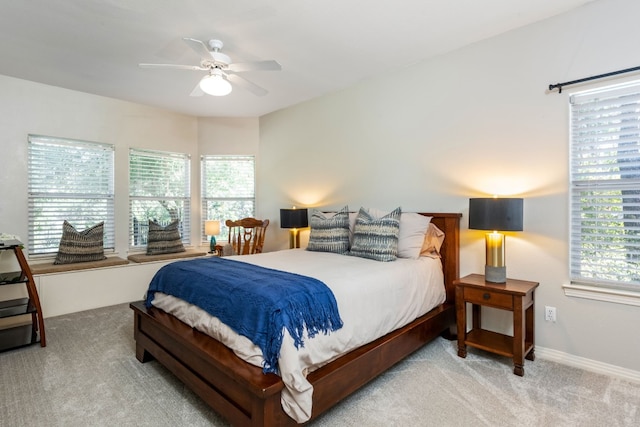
21	335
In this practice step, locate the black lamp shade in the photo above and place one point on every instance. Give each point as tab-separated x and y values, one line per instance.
293	218
495	214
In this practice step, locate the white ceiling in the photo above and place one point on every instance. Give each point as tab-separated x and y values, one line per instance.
95	46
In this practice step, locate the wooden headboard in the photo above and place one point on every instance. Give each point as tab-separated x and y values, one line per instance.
450	250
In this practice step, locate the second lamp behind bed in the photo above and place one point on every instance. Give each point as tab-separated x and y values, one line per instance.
294	219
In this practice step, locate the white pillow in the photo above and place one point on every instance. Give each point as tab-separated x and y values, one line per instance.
413	228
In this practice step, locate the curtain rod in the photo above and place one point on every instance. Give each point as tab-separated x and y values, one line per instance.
586	79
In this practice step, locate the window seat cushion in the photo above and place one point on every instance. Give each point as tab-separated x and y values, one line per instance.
50	267
143	257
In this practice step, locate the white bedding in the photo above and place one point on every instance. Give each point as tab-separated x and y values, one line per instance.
374	298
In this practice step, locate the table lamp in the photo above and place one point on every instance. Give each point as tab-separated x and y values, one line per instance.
496	214
212	228
294	219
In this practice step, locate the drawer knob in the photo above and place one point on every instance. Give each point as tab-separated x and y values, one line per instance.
486	295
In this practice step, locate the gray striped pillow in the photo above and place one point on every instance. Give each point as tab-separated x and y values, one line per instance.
329	233
164	240
81	246
376	238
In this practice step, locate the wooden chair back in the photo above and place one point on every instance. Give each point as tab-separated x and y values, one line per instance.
246	236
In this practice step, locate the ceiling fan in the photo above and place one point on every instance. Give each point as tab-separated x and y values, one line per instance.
221	71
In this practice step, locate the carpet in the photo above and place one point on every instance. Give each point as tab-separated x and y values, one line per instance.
88	376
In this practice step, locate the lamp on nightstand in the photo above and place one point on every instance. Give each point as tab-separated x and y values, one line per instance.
212	228
294	219
497	214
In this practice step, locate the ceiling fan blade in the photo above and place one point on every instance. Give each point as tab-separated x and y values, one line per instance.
254	66
174	67
197	91
246	84
199	47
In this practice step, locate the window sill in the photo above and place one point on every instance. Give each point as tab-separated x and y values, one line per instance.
143	257
50	267
616	296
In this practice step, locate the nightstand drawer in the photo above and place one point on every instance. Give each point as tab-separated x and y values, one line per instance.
494	299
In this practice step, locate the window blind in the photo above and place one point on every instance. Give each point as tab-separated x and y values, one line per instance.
159	190
228	189
605	186
68	180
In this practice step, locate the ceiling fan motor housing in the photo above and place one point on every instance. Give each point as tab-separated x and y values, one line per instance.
218	56
215	45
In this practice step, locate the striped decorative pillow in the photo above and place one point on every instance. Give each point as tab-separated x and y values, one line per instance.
81	246
329	232
376	238
164	240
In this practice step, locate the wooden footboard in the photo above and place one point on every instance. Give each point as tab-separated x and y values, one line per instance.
245	396
235	389
242	393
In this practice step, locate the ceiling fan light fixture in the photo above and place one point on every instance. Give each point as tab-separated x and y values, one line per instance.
222	72
214	84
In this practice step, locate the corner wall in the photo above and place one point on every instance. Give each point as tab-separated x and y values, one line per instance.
32	108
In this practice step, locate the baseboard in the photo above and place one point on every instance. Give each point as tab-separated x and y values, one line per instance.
588	364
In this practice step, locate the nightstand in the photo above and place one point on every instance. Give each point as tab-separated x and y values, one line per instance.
516	296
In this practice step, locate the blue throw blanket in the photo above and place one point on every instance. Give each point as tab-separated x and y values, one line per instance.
255	302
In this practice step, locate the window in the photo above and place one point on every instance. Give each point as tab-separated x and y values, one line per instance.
605	187
68	180
159	190
228	189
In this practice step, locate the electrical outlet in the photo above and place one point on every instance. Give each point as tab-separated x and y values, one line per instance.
549	313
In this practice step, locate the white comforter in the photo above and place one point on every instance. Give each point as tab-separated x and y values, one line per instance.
374	298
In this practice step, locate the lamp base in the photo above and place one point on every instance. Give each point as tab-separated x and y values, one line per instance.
495	274
212	245
294	238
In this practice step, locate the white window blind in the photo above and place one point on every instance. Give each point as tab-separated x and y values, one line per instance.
159	190
228	189
605	187
68	180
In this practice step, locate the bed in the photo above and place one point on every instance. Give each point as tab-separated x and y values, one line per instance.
244	395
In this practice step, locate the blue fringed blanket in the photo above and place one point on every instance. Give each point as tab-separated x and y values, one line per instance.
254	301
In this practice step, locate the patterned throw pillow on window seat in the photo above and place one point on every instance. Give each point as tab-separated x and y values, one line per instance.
164	240
81	246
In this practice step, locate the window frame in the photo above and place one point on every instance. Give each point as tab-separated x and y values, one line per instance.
206	198
610	192
182	194
62	159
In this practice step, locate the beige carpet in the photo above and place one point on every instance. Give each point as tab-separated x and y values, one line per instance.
88	376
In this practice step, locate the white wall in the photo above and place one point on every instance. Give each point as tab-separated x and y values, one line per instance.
232	136
475	122
73	291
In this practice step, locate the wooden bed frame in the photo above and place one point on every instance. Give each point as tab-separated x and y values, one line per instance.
242	394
